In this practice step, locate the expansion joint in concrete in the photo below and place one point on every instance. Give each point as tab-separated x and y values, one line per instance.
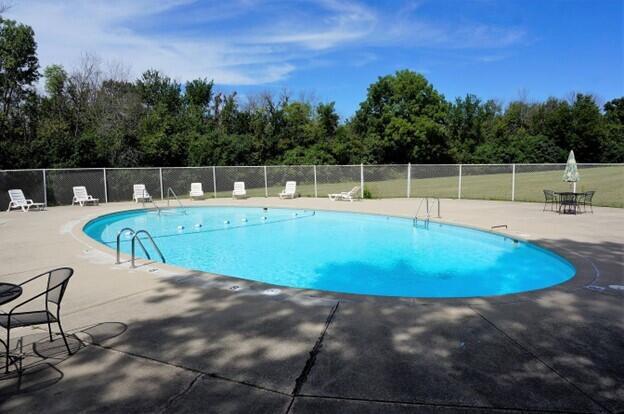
307	368
540	360
464	408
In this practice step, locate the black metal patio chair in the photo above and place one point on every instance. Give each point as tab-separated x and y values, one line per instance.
550	198
57	283
587	200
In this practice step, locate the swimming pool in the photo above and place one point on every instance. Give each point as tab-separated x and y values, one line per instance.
341	252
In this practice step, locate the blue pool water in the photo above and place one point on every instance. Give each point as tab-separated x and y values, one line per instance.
341	252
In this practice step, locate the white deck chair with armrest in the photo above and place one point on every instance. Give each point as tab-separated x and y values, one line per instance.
196	191
140	193
345	195
239	190
82	197
19	201
290	190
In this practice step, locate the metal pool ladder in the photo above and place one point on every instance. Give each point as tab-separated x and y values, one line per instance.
135	237
153	203
435	201
170	192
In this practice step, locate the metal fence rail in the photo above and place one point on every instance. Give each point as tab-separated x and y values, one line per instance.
513	182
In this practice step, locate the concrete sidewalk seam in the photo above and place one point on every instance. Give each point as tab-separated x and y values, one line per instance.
540	360
107	302
307	368
440	405
184	368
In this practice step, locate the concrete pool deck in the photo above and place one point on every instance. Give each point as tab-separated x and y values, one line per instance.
164	339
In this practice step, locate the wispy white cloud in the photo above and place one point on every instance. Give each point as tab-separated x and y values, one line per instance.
65	30
341	23
238	42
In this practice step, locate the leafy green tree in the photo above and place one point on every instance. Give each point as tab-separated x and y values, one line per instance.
612	147
403	120
466	121
87	117
55	80
19	66
587	129
156	89
614	111
19	104
327	120
198	94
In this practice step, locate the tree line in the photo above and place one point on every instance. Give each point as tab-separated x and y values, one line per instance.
90	117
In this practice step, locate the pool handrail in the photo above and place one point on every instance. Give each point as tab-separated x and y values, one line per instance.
132	233
149	236
434	201
171	192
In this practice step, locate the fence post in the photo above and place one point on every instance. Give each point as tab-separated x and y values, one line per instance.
362	180
45	188
266	187
513	182
409	179
460	183
214	180
315	187
162	190
105	186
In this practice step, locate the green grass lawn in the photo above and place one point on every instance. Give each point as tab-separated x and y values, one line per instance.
608	182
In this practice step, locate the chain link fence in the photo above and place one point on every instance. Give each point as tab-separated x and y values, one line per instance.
606	179
31	182
253	177
513	182
487	181
434	180
179	179
337	178
277	175
385	181
60	183
120	182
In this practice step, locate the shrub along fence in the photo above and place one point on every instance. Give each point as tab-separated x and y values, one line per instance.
513	182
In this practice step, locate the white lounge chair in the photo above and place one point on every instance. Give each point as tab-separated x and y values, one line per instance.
239	190
82	197
290	190
141	194
196	191
19	201
345	195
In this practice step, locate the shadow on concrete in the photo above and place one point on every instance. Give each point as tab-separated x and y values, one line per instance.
201	343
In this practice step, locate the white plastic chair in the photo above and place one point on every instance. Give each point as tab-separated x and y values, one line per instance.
82	197
19	201
196	190
289	190
140	193
345	195
239	190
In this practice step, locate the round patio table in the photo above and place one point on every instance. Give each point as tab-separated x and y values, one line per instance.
568	201
9	292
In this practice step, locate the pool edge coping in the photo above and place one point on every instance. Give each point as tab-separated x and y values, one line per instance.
585	268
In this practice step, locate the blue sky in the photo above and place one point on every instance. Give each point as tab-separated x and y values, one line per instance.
331	50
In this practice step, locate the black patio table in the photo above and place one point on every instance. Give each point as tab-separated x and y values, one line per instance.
569	201
9	292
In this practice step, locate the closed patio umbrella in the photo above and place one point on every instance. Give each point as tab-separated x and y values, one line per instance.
571	174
